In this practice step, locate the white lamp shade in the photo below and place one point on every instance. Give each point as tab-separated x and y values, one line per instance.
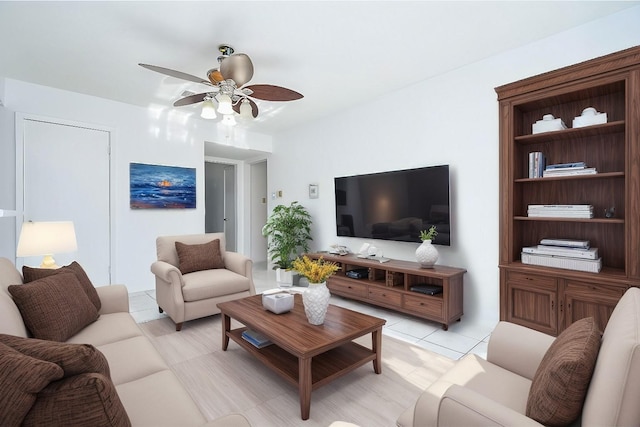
46	238
224	104
246	111
208	110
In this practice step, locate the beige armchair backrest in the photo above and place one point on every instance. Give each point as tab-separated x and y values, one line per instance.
614	393
166	245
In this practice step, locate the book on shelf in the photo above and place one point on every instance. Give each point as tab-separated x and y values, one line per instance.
565	166
560	211
536	164
561	207
588	265
560	214
256	338
569	243
569	172
591	253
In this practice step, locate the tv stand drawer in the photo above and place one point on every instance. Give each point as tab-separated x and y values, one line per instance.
385	296
350	288
431	306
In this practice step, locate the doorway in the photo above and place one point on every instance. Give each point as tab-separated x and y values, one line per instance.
63	174
220	201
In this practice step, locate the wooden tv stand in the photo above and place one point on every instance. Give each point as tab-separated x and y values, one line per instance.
389	285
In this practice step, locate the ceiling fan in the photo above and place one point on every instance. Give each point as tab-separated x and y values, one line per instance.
227	87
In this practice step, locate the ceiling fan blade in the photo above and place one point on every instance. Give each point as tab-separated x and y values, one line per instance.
237	67
254	107
191	99
174	73
273	93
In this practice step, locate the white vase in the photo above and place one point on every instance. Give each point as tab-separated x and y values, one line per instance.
427	254
316	300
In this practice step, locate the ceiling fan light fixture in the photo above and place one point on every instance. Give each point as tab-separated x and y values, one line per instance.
208	110
224	104
228	120
245	110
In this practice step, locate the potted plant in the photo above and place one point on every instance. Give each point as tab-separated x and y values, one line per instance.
426	254
428	235
316	297
288	229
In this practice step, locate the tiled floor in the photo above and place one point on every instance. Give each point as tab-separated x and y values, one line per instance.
461	338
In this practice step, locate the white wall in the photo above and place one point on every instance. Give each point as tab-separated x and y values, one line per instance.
154	135
451	119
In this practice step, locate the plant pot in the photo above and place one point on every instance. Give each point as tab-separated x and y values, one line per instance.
316	300
427	254
284	278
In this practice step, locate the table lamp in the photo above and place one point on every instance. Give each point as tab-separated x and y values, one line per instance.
46	238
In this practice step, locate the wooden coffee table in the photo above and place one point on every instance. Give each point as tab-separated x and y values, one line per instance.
305	355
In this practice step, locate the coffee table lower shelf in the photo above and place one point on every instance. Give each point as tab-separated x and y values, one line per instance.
325	367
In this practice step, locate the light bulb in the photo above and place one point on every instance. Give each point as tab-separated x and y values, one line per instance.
224	104
208	110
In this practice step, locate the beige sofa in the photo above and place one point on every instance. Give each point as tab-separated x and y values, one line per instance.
151	394
478	392
188	296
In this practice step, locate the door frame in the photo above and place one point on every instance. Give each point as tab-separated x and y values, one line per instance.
20	120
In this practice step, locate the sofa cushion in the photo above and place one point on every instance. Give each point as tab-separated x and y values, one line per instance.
21	378
10	318
74	359
30	274
201	285
55	307
160	390
560	384
205	256
88	399
107	329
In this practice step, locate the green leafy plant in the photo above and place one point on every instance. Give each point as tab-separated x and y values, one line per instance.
428	235
288	229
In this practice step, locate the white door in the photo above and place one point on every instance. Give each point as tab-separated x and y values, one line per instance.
65	172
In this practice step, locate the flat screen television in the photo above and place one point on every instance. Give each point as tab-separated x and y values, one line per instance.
395	205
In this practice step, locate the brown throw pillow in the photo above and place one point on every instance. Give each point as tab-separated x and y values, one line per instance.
80	400
54	308
30	274
74	359
205	256
21	378
560	384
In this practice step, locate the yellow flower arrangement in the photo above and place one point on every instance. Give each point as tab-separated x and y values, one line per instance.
316	271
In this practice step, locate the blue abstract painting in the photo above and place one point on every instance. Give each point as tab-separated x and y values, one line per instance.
162	187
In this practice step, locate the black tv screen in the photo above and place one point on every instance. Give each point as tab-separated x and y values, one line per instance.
395	205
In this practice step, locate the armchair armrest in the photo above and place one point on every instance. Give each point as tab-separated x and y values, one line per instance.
518	349
113	299
461	406
238	263
167	272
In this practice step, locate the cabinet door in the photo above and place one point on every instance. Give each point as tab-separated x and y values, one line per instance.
532	302
588	300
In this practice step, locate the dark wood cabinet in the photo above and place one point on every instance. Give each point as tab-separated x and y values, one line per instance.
550	299
389	285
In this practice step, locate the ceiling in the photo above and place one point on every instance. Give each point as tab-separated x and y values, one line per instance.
338	54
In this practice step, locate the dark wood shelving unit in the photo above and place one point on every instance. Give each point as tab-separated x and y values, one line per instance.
550	299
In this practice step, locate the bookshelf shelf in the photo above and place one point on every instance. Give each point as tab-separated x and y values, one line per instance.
550	299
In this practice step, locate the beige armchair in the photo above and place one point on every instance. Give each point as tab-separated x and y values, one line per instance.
495	392
196	294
